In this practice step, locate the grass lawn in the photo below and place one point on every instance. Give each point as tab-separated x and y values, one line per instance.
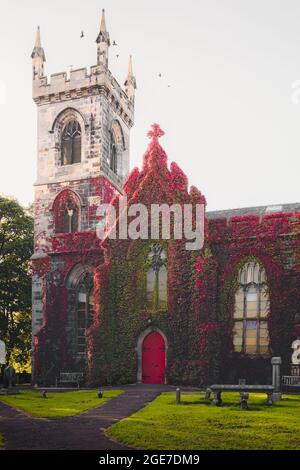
196	424
57	405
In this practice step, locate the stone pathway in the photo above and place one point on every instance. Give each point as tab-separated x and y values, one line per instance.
83	432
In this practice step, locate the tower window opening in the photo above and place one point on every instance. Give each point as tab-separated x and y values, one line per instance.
66	212
71	144
113	158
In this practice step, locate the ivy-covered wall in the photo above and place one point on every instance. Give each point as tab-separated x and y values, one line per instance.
273	240
198	319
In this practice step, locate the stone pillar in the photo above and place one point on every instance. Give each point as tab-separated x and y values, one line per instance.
276	378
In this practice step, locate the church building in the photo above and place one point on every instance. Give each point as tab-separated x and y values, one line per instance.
126	311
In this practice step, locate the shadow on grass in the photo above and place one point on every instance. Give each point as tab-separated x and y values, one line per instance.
228	405
194	402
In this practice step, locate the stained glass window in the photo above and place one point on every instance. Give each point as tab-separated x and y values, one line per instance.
157	278
251	334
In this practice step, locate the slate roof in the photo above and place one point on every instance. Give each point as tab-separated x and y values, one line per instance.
260	210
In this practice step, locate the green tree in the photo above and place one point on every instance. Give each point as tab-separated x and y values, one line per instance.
16	246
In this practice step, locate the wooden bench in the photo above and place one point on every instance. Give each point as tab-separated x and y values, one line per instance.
71	378
244	391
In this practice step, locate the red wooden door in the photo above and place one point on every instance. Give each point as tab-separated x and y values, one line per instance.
154	359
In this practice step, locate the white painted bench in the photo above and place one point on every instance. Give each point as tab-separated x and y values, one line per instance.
71	378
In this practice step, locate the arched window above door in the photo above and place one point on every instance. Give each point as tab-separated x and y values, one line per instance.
157	278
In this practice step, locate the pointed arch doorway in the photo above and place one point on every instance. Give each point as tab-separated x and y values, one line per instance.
152	347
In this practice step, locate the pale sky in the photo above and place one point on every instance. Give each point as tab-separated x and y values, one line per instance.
228	115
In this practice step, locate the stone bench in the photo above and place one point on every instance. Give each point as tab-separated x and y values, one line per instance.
71	378
244	391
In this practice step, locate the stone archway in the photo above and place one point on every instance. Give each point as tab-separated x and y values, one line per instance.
152	356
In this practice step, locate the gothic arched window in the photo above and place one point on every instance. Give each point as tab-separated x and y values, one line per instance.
251	334
84	314
71	143
157	278
113	157
66	212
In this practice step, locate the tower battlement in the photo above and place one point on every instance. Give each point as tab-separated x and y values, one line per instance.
84	82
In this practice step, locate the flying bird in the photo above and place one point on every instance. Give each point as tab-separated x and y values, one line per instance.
117	56
160	75
82	34
114	43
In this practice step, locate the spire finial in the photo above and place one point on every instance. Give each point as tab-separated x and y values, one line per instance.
38	38
38	56
103	43
130	82
103	23
130	72
38	51
155	133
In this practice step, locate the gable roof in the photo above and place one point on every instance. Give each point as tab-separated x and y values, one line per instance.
258	210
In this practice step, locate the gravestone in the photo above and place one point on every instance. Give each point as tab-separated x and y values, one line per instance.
9	373
276	378
9	382
2	353
2	356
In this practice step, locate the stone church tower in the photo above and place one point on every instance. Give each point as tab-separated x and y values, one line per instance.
84	123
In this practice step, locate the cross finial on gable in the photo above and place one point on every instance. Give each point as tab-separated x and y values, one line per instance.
156	132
